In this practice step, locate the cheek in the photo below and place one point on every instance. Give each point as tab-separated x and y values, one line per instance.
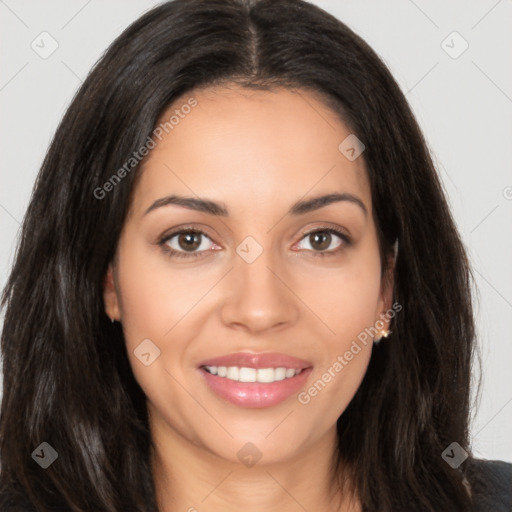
357	302
347	298
153	299
333	387
345	354
349	306
151	305
158	304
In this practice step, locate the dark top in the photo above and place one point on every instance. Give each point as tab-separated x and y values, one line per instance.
490	481
491	485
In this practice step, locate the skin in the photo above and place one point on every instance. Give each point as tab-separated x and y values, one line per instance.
257	153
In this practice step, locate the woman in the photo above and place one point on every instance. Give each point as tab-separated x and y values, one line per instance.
239	286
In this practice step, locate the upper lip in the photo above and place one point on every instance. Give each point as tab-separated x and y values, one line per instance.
255	360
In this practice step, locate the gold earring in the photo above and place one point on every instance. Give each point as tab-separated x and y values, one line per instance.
384	334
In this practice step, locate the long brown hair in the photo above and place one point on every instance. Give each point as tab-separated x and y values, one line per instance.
67	378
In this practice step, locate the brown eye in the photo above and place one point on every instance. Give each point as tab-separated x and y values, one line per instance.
320	240
186	243
325	241
189	241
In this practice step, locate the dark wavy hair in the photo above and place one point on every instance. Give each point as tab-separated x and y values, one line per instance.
66	375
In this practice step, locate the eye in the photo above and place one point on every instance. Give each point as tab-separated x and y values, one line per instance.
186	243
322	239
192	242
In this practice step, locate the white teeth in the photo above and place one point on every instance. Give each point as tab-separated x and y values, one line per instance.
290	373
280	374
233	372
266	375
247	375
243	374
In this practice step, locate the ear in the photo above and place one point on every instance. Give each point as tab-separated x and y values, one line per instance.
110	295
387	285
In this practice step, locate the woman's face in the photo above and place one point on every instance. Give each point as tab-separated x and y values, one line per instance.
254	291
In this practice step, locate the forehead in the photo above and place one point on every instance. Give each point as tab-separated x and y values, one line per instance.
250	147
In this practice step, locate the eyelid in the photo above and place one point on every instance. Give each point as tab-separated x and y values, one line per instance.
326	226
183	228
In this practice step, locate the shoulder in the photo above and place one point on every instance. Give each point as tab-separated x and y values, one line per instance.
491	484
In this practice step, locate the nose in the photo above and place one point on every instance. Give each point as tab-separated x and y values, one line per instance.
260	299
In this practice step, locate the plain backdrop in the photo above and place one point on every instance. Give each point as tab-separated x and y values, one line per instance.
453	60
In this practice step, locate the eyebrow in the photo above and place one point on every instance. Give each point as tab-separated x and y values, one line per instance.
299	208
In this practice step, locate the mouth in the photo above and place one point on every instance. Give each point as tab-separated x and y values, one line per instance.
255	380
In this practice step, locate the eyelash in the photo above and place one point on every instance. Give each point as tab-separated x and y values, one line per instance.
181	254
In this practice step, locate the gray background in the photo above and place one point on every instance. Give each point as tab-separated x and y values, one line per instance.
463	104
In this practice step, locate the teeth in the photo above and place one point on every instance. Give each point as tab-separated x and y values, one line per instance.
233	372
280	374
290	373
247	375
266	375
243	374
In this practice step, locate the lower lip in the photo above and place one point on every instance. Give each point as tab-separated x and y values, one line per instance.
255	394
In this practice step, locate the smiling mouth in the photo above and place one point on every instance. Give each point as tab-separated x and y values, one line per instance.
245	374
244	386
256	380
